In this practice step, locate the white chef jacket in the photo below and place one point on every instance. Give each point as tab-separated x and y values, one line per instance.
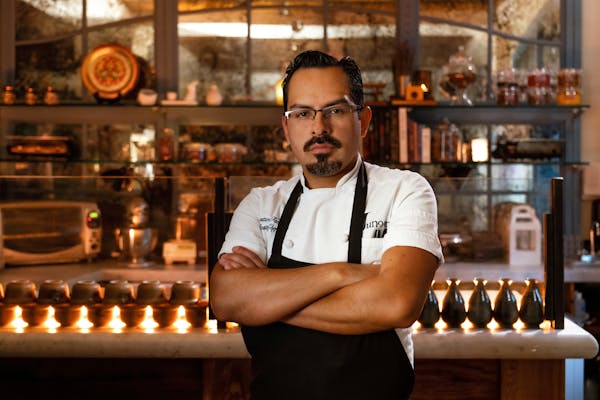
401	211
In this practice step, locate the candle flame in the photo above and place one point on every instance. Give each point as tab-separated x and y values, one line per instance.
17	323
84	323
181	323
211	326
116	324
51	323
424	87
148	324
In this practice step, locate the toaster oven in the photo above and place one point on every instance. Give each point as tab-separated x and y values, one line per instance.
49	232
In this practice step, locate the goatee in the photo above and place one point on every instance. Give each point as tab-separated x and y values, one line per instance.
323	167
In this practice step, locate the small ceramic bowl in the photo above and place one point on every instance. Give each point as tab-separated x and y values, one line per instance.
86	293
185	293
20	292
53	292
165	315
150	293
118	292
133	314
67	314
147	97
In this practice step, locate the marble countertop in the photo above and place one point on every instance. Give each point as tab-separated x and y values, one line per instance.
571	342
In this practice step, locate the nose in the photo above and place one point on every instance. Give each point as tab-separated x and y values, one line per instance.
320	124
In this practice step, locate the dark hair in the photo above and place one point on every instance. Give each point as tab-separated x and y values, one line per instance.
318	59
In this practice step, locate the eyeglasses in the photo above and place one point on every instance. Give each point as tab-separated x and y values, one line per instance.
336	112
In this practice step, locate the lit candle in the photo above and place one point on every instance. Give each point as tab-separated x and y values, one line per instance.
116	324
51	323
181	324
84	324
148	324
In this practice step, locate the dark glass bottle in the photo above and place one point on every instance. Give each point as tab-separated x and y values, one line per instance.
505	306
431	310
480	305
453	307
531	311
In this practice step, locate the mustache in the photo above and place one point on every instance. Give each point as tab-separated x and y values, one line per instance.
321	139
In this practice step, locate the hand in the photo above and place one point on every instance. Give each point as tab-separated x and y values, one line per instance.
241	257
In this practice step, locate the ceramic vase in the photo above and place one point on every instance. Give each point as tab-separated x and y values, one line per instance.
453	307
213	96
505	306
531	311
480	305
431	310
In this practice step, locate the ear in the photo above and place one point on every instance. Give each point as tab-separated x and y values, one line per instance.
365	119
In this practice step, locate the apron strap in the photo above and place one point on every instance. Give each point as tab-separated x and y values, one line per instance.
283	224
357	223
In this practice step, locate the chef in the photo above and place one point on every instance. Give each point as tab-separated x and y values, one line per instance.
327	271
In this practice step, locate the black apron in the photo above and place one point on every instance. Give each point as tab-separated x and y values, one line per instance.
290	362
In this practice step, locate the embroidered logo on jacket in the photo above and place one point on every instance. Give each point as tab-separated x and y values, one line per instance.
268	223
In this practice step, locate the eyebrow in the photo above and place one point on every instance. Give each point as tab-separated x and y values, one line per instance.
331	103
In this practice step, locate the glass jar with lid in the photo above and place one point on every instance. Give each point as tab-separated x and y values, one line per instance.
446	143
460	73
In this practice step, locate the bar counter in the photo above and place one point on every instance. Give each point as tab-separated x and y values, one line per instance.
453	363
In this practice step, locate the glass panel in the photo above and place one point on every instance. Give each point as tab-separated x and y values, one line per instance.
212	49
105	11
54	63
529	19
370	40
438	42
139	38
197	5
280	36
39	19
513	54
471	12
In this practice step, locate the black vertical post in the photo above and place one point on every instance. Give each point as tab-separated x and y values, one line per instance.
215	235
554	272
556	205
549	266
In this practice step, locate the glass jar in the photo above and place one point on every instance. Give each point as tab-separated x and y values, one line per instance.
569	86
166	145
446	144
460	73
507	87
538	87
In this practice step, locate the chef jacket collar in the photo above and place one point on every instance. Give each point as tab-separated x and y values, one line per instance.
344	180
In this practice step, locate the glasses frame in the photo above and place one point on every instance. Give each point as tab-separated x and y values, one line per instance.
353	107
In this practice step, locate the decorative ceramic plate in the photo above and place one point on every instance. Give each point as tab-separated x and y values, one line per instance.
110	71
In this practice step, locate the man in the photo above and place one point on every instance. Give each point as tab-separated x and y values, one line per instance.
321	269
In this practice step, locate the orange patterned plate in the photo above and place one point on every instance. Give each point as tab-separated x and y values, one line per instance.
110	71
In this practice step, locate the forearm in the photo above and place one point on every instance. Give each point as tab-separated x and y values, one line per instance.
356	309
258	296
392	299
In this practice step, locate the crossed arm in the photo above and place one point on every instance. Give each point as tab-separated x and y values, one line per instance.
341	298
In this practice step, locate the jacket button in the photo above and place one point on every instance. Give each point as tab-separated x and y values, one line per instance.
289	244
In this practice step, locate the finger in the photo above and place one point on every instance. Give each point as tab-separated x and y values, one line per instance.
237	261
258	262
